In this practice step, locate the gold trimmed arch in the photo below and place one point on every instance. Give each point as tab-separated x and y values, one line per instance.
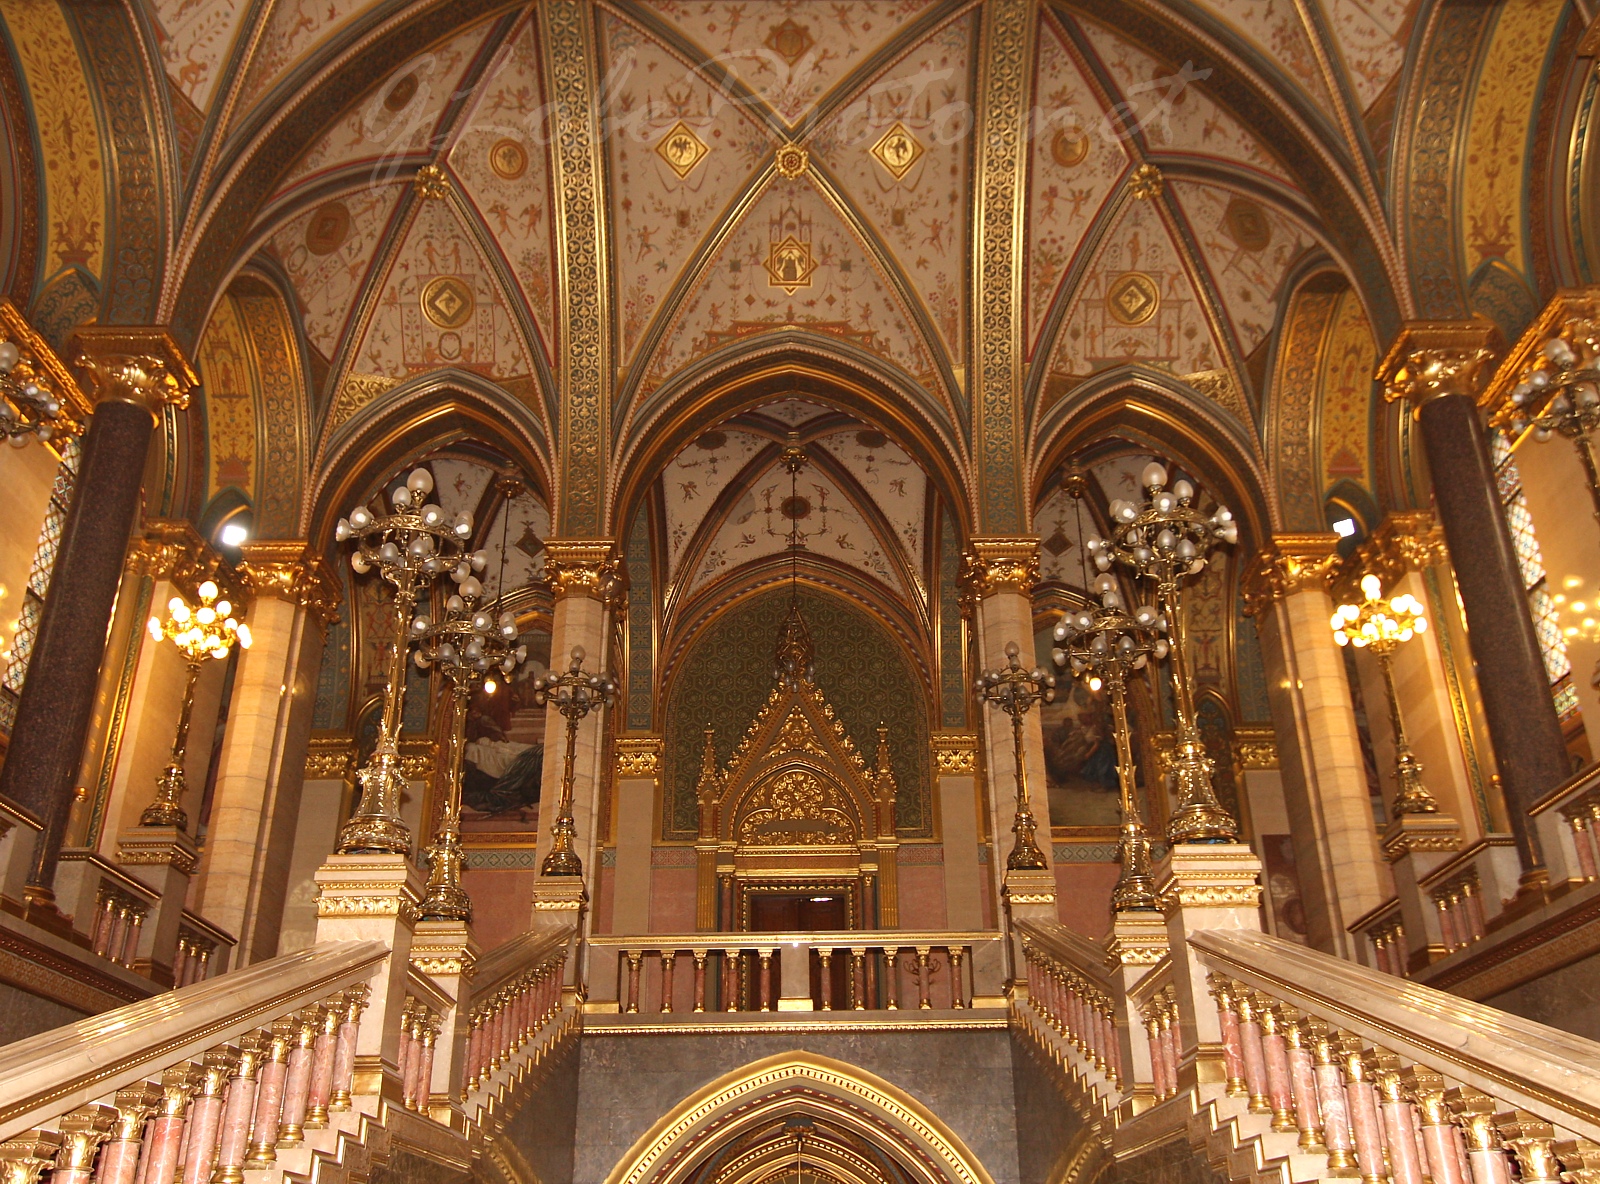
804	1085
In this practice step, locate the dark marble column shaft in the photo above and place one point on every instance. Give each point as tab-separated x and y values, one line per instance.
58	694
1528	745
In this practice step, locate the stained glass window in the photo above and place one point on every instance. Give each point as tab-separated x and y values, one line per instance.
44	561
1546	625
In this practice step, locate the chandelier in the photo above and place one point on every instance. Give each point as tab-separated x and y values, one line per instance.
29	410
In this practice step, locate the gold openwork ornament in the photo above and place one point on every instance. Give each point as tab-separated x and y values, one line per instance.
791	161
508	159
897	150
432	183
955	754
1132	298
790	264
638	756
447	301
682	149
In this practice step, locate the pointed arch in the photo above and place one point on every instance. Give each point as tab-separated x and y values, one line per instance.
803	1083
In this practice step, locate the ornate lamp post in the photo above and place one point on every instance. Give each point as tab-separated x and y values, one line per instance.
1166	538
1102	646
1014	690
201	634
1382	626
575	695
467	646
409	547
28	408
1567	375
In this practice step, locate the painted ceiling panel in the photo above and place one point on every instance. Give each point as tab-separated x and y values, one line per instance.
758	525
1174	115
893	480
1372	36
1136	304
195	38
793	261
902	155
398	118
441	306
1061	557
327	252
294	28
1248	248
1073	165
524	522
501	161
696	476
1277	31
789	52
680	153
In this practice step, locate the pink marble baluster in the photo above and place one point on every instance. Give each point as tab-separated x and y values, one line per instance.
1275	1051
408	1052
1585	850
1447	925
1171	1034
321	1090
269	1098
1333	1103
165	1133
82	1133
233	1137
297	1082
1365	1125
891	977
1251	1052
425	1068
1232	1047
475	1049
119	1157
669	964
205	1115
1485	1156
344	1053
1303	1085
730	980
699	980
766	979
1399	1123
634	959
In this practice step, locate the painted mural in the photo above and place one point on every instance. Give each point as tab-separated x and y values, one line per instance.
501	777
1080	758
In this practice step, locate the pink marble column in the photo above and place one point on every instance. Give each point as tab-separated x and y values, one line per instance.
669	964
475	1050
321	1090
425	1070
730	979
1585	849
635	957
1170	1035
164	1136
699	980
766	980
344	1052
891	976
1486	1158
234	1134
269	1097
297	1082
1303	1088
119	1157
1252	1053
1399	1124
408	1054
1331	1100
205	1116
1232	1049
1365	1126
1275	1051
1447	925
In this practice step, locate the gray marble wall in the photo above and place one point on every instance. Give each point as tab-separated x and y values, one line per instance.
1568	998
543	1130
24	1014
1046	1125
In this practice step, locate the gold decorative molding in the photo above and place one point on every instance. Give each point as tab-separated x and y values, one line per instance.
170	549
1568	304
365	906
791	161
1420	832
139	364
581	567
999	563
419	756
1293	562
285	569
638	756
1257	747
1403	542
955	753
1146	183
42	364
355	392
1431	359
158	846
330	758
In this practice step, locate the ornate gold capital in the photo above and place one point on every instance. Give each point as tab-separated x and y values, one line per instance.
171	549
1404	542
1568	304
42	364
139	364
638	756
955	753
999	563
1430	359
1293	562
581	567
330	758
285	569
1256	746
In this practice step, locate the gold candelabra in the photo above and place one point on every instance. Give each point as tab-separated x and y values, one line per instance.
29	410
1167	539
1014	689
1103	646
467	646
1566	380
1382	626
575	695
201	635
409	548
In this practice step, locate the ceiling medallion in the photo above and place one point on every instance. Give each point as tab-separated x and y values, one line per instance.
682	149
329	226
791	161
432	183
1247	224
447	301
789	264
1068	148
789	41
1145	183
1132	298
897	151
508	159
401	92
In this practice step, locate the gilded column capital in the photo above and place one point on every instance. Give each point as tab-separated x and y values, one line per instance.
1256	746
638	756
139	364
582	567
1431	359
955	753
39	363
1405	541
1293	562
999	563
330	758
284	569
171	549
1575	310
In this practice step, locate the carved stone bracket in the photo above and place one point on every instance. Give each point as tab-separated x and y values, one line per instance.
586	567
1404	542
285	569
1430	359
1293	562
139	364
955	753
999	563
638	756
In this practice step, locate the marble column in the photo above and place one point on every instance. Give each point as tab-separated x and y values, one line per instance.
245	866
638	771
998	575
134	371
1319	748
1439	368
955	758
583	578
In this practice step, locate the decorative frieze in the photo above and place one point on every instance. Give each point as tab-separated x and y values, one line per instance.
955	753
330	758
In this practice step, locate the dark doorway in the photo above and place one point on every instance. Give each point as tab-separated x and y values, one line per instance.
806	912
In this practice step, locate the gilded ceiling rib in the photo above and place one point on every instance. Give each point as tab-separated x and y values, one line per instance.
994	360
